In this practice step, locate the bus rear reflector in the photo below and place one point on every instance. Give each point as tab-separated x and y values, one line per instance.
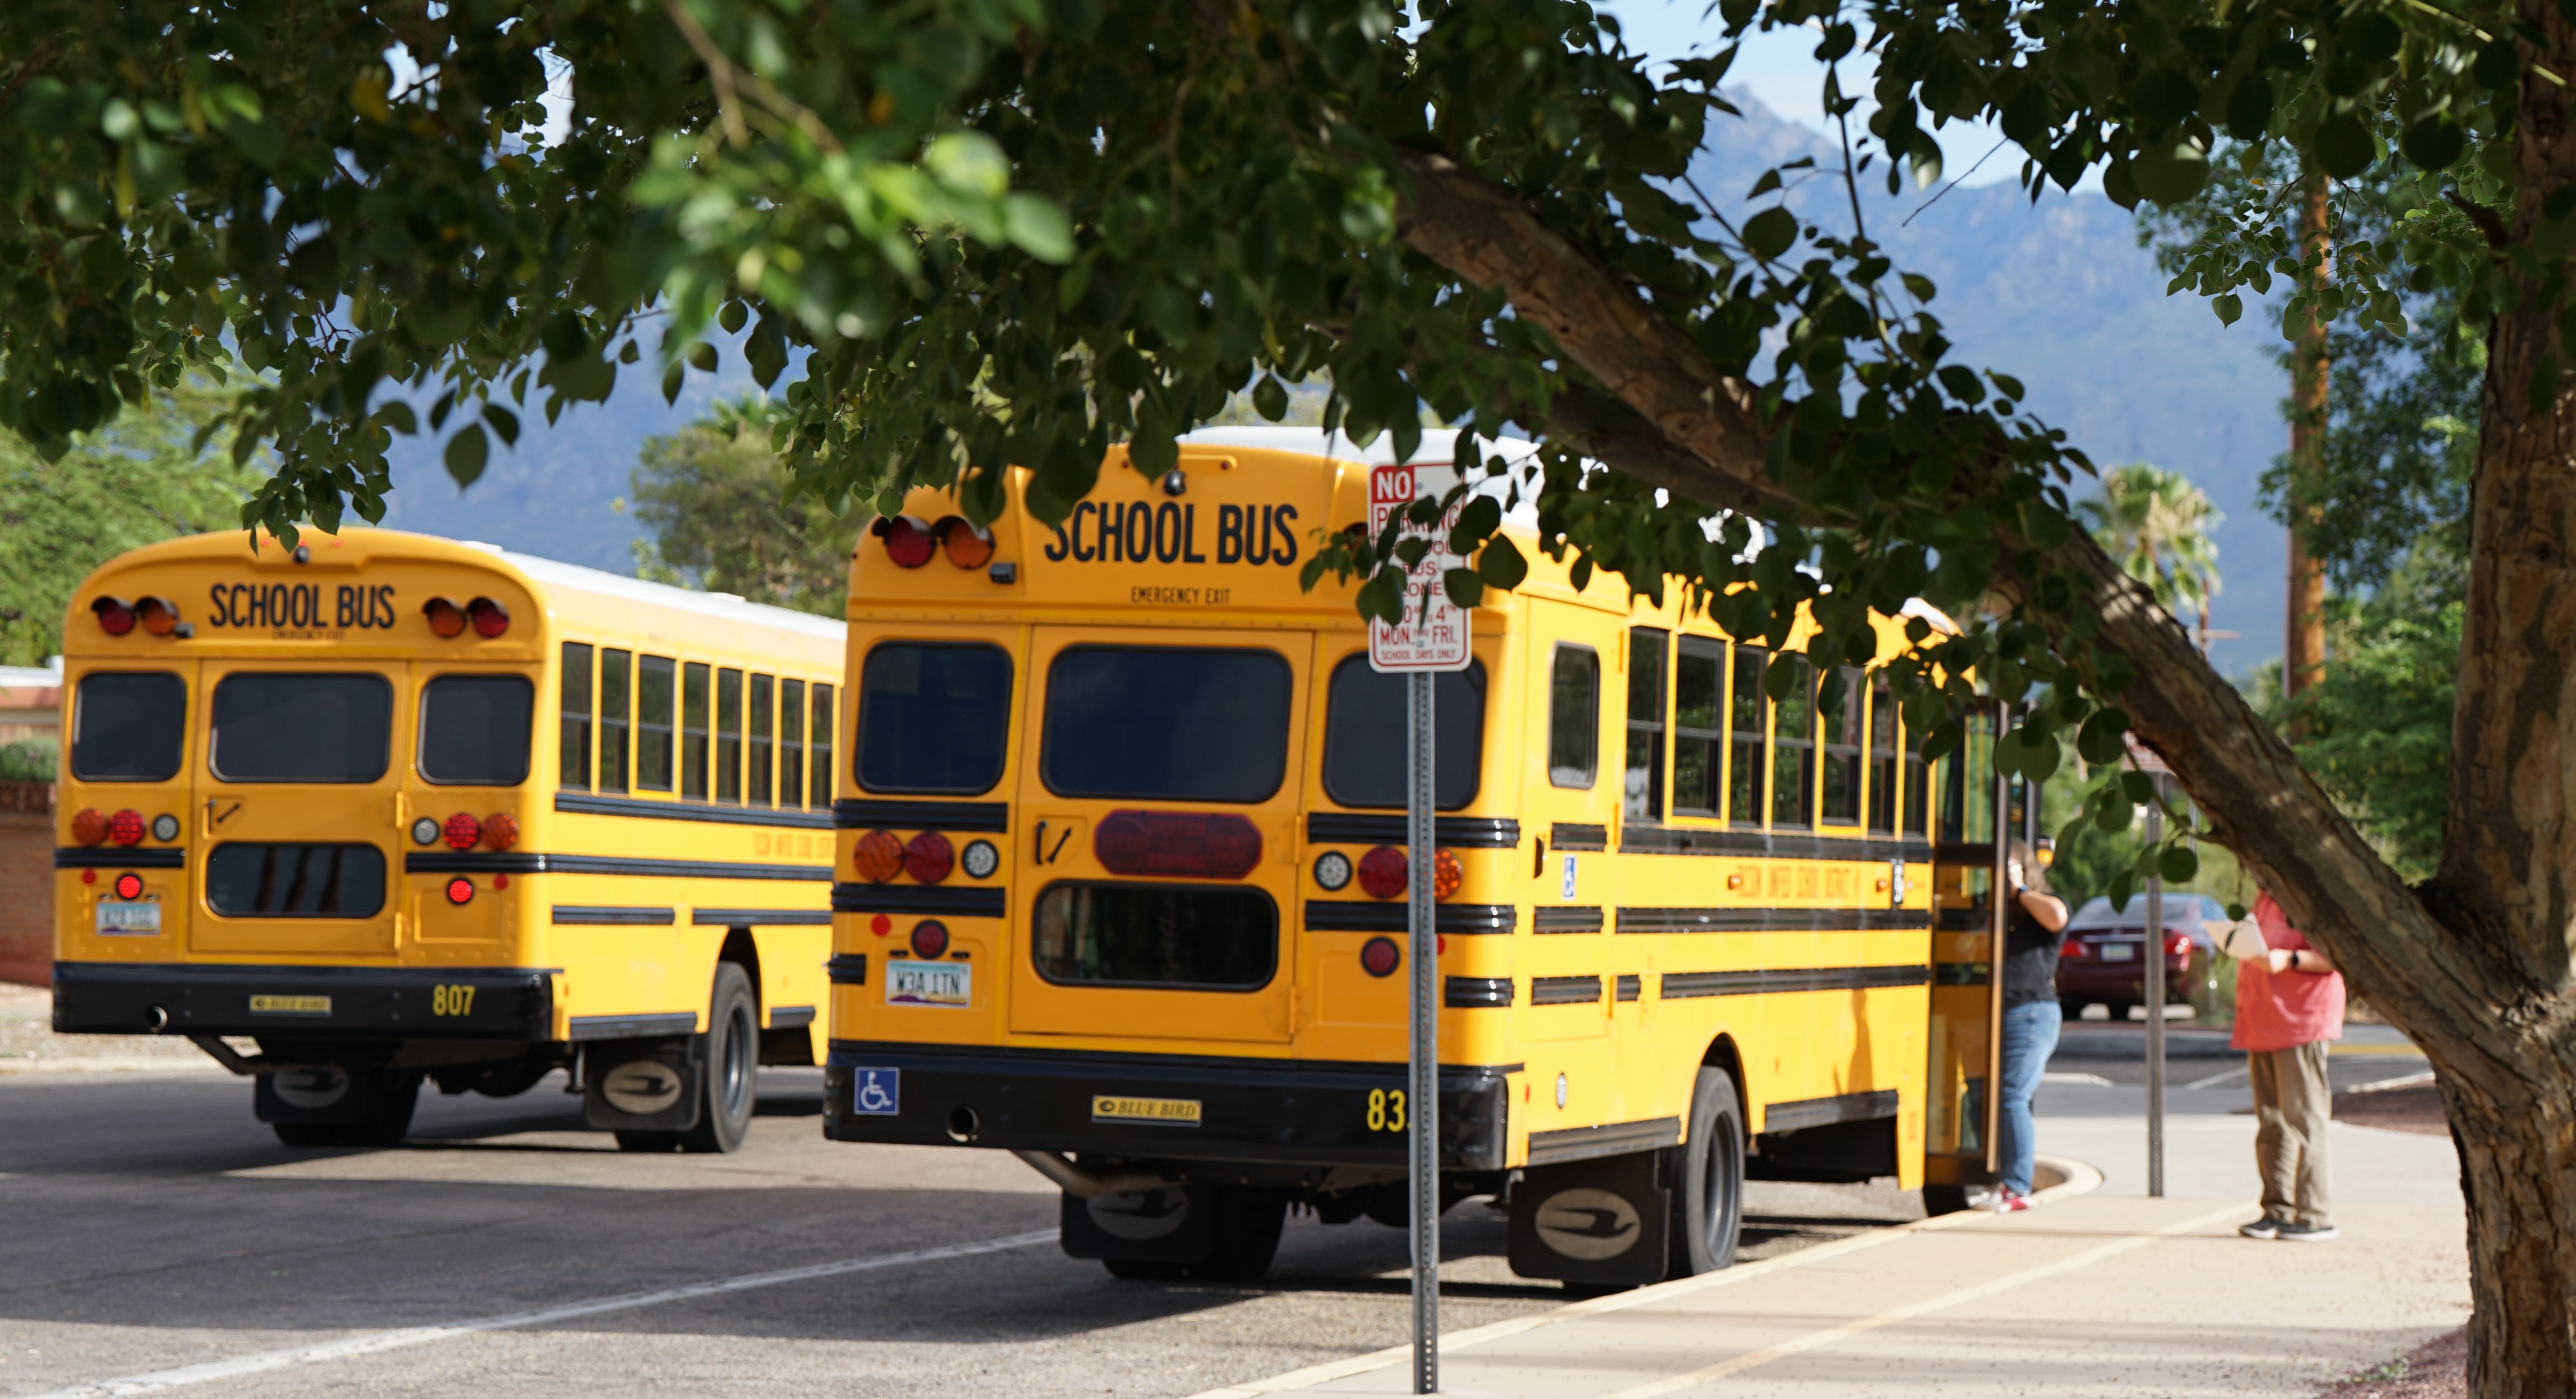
1380	957
114	617
490	618
930	939
500	831
1177	843
129	886
929	857
1382	873
445	617
125	827
909	542
879	856
89	826
460	890
463	831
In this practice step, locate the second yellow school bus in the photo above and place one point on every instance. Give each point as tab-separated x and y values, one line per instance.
1122	876
404	809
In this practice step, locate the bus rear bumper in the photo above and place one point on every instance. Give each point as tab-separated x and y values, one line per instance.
1175	1107
337	1003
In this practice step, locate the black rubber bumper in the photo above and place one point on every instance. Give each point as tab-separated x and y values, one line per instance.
1281	1112
464	1003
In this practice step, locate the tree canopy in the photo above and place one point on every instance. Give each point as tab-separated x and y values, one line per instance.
715	502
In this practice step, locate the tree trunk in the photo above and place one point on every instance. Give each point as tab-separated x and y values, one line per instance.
2303	655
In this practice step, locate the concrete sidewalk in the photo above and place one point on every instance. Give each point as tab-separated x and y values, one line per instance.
2098	1292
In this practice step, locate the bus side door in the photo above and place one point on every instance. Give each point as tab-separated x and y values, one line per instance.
1967	975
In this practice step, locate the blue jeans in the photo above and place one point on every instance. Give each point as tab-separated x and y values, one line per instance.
2030	1036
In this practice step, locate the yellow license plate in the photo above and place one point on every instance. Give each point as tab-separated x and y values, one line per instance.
290	1005
1169	1112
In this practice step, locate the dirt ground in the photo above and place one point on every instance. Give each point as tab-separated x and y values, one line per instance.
2438	1369
2414	1108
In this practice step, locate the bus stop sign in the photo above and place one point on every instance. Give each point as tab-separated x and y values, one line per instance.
1433	635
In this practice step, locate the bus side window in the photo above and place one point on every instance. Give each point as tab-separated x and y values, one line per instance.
791	743
655	693
764	704
693	731
728	735
1793	748
1645	765
826	718
1699	735
1746	748
1842	751
616	683
574	774
1574	717
1882	758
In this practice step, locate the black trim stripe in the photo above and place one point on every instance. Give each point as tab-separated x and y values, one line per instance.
611	916
1456	832
1960	973
1772	920
593	804
1962	920
847	969
918	898
1824	1112
125	857
1472	992
1565	990
1691	840
1609	1139
790	1017
1395	916
1679	986
1578	835
1981	856
760	917
1566	918
519	862
1630	988
861	813
628	1027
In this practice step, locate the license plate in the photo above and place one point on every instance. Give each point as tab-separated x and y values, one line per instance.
2119	952
290	1005
127	919
1169	1112
929	984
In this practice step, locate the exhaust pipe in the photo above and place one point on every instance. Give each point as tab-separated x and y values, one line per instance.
1090	1183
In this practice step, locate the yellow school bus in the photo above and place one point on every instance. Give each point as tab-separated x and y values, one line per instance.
407	809
1121	887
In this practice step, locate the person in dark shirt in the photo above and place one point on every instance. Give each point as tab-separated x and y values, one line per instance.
2030	1018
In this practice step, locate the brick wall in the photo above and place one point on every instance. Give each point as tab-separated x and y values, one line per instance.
26	883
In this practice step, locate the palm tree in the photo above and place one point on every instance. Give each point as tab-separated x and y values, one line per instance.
2158	525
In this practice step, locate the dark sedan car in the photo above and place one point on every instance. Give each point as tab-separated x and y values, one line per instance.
2099	963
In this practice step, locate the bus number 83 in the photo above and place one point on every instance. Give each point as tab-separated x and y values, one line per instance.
1386	1110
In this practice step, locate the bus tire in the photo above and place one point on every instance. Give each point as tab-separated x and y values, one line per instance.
629	1140
390	1100
1135	1271
307	1133
1248	1221
732	1075
1709	1215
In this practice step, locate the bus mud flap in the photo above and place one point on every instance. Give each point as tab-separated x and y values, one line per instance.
1604	1221
642	1085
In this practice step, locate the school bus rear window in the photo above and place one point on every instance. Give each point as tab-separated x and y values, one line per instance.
932	718
474	729
1167	723
1171	937
128	726
1364	729
302	727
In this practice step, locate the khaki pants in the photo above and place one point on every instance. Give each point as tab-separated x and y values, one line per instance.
2292	1104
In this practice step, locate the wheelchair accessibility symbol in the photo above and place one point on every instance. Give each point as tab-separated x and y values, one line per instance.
878	1093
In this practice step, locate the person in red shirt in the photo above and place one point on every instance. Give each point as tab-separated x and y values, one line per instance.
2289	1004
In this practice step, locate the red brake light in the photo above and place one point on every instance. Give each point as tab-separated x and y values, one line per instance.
462	831
1382	873
1380	957
879	856
499	831
114	617
929	938
965	545
125	827
1177	843
490	618
909	542
2072	951
2177	944
929	857
89	826
460	890
445	617
129	886
160	615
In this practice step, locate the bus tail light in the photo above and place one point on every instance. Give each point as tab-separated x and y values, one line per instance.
460	890
129	886
114	617
125	827
1382	873
879	856
445	617
159	615
930	939
462	831
1177	843
966	544
928	857
909	540
89	826
1380	957
1446	874
500	831
490	618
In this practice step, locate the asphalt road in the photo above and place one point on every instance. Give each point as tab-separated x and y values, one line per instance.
147	1223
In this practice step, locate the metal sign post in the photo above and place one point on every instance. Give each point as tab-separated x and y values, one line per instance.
1431	638
2154	953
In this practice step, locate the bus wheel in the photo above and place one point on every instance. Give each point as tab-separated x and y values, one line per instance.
647	1141
390	1099
732	1076
308	1133
1135	1271
1247	1235
1712	1195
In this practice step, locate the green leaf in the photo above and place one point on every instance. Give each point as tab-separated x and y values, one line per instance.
396	414
671	381
1501	564
702	357
2179	864
504	422
1480	517
2115	816
1038	226
1270	398
1917	286
2229	307
1769	233
2103	739
2436	142
2249	106
968	162
2170	171
466	452
1464	586
2343	146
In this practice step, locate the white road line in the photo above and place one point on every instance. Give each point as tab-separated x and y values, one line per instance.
2216	1079
378	1341
1814	1339
2382	1085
